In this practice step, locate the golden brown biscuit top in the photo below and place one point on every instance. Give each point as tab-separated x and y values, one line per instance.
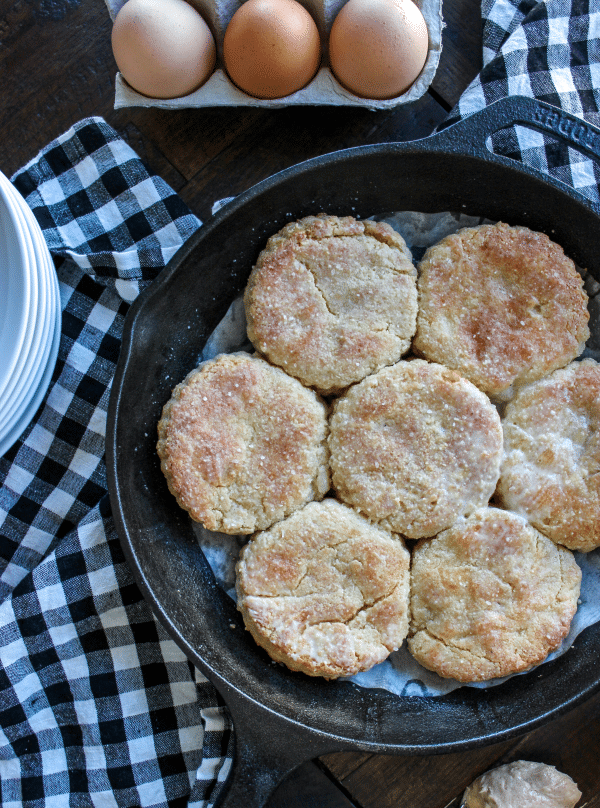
502	305
551	469
242	444
332	299
490	596
415	446
324	591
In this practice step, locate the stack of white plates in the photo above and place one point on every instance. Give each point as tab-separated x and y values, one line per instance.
30	315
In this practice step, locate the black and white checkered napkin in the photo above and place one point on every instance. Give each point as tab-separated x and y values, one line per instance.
549	51
98	707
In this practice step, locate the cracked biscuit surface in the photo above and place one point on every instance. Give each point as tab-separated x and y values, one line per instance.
242	444
324	591
551	468
490	596
332	299
501	305
415	446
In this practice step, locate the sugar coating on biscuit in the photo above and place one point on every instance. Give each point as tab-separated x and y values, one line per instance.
551	468
490	596
332	300
501	305
324	591
522	784
415	446
242	444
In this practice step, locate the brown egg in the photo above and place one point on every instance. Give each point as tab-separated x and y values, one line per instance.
271	48
377	48
163	48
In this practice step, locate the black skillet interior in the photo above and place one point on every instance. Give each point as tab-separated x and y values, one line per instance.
165	332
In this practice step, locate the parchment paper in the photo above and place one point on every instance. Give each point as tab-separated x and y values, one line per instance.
400	673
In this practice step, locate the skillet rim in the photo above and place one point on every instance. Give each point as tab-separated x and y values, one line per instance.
157	290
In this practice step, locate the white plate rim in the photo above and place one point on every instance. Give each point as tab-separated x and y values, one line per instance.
37	334
38	393
20	307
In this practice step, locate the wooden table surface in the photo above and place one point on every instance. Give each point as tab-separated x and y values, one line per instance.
57	67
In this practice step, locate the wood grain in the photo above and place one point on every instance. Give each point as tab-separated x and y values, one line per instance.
285	137
57	68
461	49
571	743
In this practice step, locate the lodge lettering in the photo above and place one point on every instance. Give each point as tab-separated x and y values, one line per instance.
575	130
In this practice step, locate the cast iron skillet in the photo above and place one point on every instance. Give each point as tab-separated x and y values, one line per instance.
282	718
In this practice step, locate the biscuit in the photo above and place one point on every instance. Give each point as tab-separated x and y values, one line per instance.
501	305
324	591
332	300
551	468
415	446
522	784
490	596
242	444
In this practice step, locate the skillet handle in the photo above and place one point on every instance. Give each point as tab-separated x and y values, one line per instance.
470	134
267	750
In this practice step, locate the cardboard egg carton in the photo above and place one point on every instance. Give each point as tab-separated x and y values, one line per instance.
324	89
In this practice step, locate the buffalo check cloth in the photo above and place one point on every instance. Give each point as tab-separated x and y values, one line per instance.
98	706
549	51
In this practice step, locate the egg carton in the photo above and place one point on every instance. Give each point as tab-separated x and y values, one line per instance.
324	89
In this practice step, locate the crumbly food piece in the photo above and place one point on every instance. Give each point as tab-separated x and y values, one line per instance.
324	591
242	444
332	300
522	784
490	596
415	446
551	469
502	305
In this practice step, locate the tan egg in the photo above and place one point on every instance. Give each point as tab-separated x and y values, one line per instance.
163	48
271	48
377	48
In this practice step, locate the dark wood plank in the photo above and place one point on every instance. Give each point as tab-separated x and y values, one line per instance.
342	764
61	70
282	139
57	67
309	787
416	782
571	743
145	146
192	139
461	56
